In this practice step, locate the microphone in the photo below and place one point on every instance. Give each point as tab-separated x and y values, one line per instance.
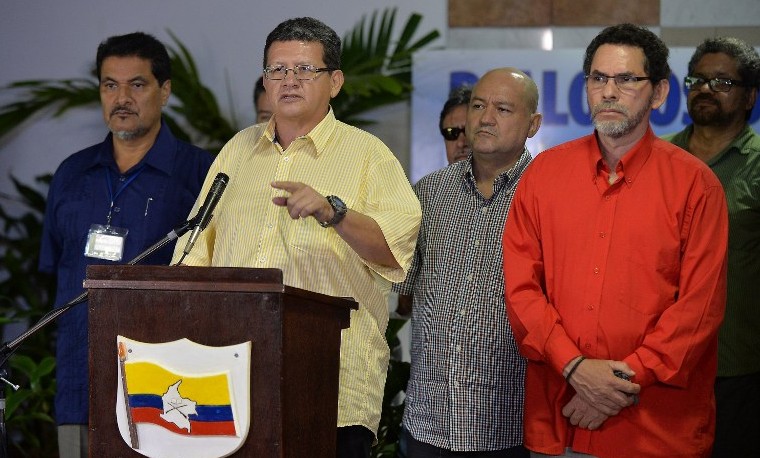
205	213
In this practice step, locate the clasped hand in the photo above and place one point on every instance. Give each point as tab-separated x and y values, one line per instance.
599	393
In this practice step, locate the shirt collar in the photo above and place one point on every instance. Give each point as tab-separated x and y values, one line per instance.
320	135
743	143
505	178
746	141
160	156
630	164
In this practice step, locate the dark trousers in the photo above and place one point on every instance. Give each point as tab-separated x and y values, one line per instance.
354	442
737	422
416	449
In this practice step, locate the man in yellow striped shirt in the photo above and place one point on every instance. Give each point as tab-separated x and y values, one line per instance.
325	202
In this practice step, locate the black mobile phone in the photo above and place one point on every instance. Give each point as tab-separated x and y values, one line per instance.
624	376
621	374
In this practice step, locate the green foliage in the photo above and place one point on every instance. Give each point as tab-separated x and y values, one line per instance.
393	404
29	410
25	296
375	74
62	95
197	105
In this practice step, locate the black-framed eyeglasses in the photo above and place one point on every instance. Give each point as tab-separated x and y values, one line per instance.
693	83
623	81
451	134
301	72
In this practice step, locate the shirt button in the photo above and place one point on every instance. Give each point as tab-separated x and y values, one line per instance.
477	242
469	277
270	225
590	307
602	235
462	312
596	270
122	178
606	197
116	209
456	384
459	348
262	260
588	345
484	210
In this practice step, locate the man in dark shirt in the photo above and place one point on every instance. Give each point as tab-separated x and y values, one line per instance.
722	84
111	201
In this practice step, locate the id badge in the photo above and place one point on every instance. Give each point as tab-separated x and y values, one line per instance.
105	242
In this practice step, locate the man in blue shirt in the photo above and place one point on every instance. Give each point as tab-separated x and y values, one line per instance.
111	201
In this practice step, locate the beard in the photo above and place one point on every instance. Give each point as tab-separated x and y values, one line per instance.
128	135
703	115
617	129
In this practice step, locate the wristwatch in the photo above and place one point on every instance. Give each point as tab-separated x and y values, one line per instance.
339	208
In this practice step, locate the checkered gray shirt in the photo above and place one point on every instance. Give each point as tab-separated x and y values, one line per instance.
466	388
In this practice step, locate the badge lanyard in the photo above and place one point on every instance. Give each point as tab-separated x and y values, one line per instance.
112	197
107	242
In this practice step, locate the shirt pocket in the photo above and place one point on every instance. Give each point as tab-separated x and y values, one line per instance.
650	288
308	238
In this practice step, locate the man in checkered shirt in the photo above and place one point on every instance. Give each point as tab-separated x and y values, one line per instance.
466	387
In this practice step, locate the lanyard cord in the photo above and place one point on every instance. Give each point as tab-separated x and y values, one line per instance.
111	196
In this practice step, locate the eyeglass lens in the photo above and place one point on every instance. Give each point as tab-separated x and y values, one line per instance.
716	84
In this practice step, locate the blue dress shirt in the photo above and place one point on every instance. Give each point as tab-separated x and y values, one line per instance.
160	197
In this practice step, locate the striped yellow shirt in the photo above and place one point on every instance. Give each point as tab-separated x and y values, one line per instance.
248	230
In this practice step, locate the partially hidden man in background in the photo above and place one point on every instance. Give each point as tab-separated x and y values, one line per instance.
452	124
615	269
111	201
722	90
261	104
327	203
466	389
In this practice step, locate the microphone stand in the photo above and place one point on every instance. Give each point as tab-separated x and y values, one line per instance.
7	350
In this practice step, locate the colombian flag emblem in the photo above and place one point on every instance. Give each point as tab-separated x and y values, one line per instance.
197	406
182	399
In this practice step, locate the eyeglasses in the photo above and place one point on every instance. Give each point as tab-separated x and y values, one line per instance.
451	134
301	72
624	82
693	83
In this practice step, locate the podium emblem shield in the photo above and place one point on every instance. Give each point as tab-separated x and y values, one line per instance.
183	399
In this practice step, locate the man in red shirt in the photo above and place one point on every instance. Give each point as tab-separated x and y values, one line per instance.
615	269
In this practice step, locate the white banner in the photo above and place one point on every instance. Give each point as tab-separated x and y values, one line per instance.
562	96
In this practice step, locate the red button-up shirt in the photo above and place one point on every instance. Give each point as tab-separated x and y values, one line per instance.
633	271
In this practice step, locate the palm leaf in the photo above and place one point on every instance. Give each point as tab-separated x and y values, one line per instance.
374	75
197	104
62	95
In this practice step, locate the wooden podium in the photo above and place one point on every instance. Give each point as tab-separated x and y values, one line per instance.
294	361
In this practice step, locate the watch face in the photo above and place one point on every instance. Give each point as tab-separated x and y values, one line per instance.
339	208
337	204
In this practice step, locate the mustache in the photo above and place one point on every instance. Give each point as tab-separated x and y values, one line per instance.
122	108
485	130
705	98
601	106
